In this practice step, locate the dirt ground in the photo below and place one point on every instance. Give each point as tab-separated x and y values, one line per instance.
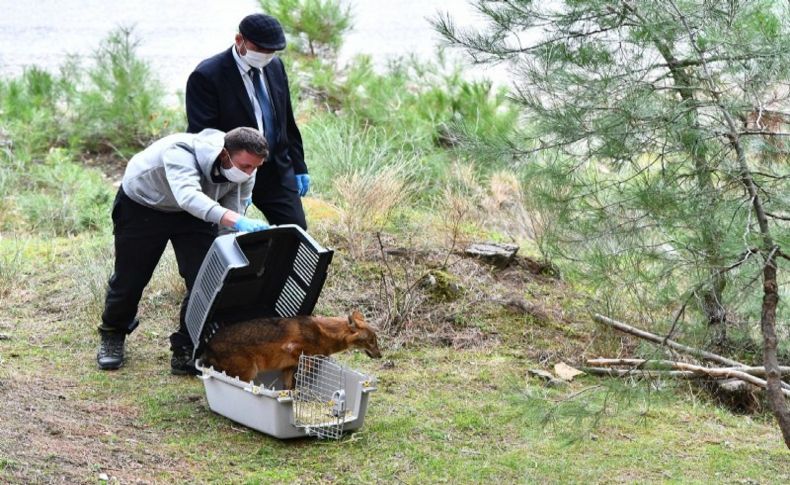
48	435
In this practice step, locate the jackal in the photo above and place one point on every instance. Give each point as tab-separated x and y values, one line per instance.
264	344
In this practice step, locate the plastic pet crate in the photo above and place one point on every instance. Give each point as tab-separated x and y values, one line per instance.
327	400
278	272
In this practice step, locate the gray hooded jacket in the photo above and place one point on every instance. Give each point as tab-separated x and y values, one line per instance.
174	174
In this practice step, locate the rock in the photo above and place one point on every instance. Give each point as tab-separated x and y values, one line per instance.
547	377
566	372
498	254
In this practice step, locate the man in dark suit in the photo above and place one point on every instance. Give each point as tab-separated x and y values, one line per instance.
246	85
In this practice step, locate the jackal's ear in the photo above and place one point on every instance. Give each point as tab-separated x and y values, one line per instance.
358	318
351	322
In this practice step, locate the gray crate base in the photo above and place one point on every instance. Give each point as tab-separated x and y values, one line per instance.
263	406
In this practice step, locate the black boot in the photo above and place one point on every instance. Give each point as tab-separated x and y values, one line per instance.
110	354
181	363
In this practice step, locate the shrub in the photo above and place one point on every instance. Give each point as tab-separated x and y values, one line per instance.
63	197
30	107
116	103
426	105
337	147
317	26
506	207
120	105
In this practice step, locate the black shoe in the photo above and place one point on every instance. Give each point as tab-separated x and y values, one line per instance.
110	354
181	363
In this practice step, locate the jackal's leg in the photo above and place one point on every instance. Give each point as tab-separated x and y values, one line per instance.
288	377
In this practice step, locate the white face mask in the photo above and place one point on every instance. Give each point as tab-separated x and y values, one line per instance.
234	173
258	60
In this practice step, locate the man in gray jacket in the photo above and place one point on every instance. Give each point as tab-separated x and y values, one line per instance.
182	189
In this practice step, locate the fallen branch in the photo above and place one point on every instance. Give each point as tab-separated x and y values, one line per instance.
651	373
602	362
726	373
703	354
699	370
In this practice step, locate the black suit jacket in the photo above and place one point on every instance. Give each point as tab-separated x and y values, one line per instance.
216	98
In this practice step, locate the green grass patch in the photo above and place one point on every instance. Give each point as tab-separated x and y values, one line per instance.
439	415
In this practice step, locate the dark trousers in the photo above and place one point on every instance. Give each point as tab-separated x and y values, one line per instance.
141	235
277	198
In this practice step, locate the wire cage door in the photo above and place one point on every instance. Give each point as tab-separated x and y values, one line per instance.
319	399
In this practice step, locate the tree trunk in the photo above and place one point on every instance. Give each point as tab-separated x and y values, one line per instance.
770	286
770	359
769	250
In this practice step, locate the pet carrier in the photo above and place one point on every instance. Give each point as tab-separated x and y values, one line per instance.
278	272
327	399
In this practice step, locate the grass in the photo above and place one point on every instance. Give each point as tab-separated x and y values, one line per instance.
440	414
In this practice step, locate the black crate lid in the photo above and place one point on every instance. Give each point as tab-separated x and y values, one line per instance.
278	272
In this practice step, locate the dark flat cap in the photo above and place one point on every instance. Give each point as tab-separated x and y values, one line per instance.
264	31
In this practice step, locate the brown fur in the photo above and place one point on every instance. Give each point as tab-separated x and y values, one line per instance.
266	344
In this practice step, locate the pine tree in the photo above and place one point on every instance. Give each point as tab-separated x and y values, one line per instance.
656	129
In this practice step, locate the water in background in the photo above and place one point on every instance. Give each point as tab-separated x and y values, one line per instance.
177	34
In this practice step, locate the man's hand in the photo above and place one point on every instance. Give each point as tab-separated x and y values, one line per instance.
302	183
245	224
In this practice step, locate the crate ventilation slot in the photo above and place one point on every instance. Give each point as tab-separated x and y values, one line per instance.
290	299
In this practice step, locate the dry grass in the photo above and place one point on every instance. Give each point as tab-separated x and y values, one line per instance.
10	263
366	199
507	205
90	272
92	268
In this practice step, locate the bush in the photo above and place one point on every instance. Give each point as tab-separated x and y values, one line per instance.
367	198
32	107
120	105
116	103
64	197
316	26
426	105
338	147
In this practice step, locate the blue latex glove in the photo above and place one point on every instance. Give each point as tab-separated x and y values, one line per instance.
302	184
246	224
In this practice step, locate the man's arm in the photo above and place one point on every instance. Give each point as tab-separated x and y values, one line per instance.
202	103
